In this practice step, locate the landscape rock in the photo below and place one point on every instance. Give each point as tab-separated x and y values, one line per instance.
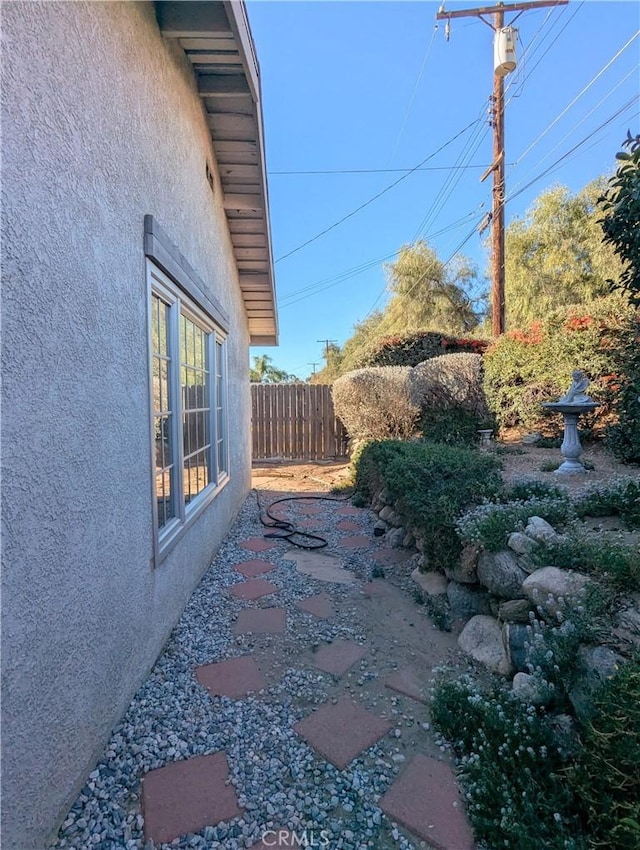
500	573
380	528
395	537
481	638
408	540
433	584
516	637
595	665
514	611
548	586
466	601
531	690
540	530
465	570
388	515
520	543
628	617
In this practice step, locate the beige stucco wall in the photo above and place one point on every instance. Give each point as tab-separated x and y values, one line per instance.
102	124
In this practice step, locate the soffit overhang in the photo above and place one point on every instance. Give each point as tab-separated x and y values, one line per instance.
217	41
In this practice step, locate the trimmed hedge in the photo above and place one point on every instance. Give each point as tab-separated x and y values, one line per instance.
524	368
375	403
430	486
449	391
413	348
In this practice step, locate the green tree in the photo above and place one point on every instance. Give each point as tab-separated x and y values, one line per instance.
427	294
264	372
554	255
621	223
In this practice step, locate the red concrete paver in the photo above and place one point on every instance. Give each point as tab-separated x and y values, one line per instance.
310	510
232	678
377	587
257	544
278	837
357	542
310	524
186	796
320	605
390	556
349	510
407	682
260	621
339	656
348	525
253	589
254	568
426	800
342	731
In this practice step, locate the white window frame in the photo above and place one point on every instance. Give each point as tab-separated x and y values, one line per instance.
160	284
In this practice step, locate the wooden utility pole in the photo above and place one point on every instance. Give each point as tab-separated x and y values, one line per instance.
498	165
327	343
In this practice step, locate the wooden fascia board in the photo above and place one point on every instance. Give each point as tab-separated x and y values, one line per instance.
191	18
236	12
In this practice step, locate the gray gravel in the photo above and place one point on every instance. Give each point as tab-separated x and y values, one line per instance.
278	778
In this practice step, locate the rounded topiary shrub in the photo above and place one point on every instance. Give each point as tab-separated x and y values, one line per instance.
449	392
375	403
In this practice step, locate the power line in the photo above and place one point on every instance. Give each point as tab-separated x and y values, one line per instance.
413	95
424	275
327	283
566	155
581	121
556	19
577	97
375	170
375	197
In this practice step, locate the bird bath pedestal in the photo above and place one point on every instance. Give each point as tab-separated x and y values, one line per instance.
571	448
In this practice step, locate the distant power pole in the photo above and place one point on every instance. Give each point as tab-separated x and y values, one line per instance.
313	365
327	343
497	167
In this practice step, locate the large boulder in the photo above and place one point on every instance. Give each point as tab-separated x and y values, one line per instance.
467	601
500	573
395	537
481	638
520	543
514	611
550	588
531	690
595	665
465	570
540	530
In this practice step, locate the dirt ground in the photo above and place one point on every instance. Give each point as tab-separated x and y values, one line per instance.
517	460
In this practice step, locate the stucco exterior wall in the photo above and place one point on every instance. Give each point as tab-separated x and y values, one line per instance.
102	124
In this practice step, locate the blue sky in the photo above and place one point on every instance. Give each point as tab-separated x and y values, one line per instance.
374	88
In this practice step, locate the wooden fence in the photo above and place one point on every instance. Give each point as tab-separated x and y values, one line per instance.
295	422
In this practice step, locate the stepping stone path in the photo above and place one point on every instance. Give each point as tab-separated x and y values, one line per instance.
253	589
338	657
342	731
303	714
251	569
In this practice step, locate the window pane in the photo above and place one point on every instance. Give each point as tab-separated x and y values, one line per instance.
196	410
162	407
